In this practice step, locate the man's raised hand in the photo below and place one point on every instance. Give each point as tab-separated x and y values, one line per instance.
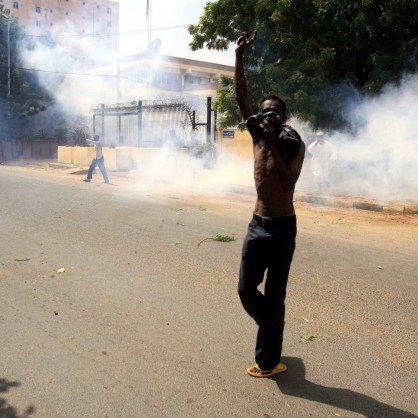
245	40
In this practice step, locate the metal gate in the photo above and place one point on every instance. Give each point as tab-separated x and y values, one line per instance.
155	123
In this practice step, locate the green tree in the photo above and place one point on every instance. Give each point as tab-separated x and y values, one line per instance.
316	54
26	97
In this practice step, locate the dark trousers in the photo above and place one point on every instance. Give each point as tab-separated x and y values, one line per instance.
98	162
269	245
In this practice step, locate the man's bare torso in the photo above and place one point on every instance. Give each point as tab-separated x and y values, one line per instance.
272	200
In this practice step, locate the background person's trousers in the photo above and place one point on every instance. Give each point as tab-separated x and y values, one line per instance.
98	162
269	245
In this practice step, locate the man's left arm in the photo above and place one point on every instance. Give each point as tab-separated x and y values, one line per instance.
287	172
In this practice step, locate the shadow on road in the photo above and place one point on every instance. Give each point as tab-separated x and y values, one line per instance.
7	411
295	384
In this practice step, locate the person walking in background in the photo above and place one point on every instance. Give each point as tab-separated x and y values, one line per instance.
97	161
270	241
324	157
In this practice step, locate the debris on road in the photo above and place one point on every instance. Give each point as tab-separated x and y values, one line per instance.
305	339
221	238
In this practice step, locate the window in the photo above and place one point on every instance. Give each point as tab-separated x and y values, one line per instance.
192	79
37	9
109	10
83	17
15	5
109	24
38	23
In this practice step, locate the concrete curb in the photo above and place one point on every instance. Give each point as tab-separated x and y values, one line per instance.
369	204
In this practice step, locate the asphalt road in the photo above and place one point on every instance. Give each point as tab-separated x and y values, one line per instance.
144	322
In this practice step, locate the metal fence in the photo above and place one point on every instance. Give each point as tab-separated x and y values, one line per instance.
154	123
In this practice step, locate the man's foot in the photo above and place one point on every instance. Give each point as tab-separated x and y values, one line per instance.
257	372
87	180
107	182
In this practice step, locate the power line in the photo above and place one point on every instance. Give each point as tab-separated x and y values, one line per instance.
92	35
71	73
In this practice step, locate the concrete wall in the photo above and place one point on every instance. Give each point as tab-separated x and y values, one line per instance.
116	159
14	150
126	158
241	144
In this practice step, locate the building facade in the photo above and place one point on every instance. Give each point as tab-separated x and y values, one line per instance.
173	93
152	76
98	19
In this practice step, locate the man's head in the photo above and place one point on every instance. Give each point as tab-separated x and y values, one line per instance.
272	103
97	137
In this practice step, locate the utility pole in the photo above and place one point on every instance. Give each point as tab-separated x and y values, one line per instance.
118	98
148	14
7	17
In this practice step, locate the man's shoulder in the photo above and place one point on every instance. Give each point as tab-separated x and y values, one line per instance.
289	142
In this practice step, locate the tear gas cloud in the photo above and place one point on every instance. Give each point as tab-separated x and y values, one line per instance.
65	70
381	159
180	172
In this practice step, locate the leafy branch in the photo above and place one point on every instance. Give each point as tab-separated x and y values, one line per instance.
221	238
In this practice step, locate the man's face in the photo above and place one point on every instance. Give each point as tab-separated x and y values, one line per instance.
271	106
270	112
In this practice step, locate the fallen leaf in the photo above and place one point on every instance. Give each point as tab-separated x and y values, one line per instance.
176	243
61	270
305	339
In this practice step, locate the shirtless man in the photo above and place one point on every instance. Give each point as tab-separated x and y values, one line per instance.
270	241
97	161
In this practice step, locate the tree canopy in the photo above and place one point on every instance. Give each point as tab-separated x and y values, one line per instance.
316	54
26	97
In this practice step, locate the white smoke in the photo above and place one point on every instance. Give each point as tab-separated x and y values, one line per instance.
181	171
382	159
65	70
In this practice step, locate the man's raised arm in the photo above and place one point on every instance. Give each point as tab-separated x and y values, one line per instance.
244	41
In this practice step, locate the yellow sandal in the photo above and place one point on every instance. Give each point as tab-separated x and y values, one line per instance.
257	372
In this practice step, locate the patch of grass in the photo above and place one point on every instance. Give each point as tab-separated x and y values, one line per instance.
220	238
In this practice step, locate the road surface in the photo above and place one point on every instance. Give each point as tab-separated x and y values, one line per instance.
144	322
